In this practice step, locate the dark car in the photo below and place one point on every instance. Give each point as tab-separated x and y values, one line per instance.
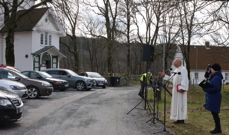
74	80
11	106
58	84
35	87
100	81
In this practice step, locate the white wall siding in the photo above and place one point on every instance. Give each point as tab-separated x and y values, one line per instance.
36	45
201	76
23	46
1	49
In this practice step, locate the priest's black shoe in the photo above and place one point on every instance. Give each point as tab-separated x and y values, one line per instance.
179	122
215	131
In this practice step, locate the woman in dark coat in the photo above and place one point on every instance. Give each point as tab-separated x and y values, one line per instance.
213	95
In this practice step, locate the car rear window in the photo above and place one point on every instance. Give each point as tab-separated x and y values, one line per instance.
53	72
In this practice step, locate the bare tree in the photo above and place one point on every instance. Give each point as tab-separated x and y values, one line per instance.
220	23
190	24
10	8
149	20
108	9
68	13
126	8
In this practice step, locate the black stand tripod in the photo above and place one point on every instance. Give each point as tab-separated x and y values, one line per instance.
147	104
155	116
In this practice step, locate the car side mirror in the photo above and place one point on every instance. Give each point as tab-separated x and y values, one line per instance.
69	76
17	79
39	77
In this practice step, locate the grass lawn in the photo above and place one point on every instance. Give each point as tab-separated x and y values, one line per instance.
200	121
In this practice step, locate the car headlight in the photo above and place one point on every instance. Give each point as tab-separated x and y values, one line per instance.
105	80
46	84
5	102
13	87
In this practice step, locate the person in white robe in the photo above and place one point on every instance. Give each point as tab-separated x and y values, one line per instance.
178	111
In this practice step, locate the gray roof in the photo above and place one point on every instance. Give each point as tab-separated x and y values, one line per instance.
28	20
49	49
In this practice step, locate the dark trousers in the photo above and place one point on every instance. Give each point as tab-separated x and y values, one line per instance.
142	89
216	120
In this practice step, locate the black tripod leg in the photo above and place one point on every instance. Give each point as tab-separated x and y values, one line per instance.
154	107
135	107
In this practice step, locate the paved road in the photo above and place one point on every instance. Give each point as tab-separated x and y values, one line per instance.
95	112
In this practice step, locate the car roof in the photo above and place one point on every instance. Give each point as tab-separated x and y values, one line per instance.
9	67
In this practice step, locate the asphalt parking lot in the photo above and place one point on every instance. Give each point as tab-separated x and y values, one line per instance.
95	112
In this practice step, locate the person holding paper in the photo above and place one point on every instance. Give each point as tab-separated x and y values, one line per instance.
178	111
213	95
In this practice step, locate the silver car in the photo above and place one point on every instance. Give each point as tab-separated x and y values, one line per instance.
74	80
15	87
100	81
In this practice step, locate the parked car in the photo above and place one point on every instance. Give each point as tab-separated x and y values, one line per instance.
100	81
58	84
75	80
9	67
35	87
11	106
15	87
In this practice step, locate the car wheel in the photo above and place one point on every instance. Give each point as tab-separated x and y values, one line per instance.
104	86
80	85
32	92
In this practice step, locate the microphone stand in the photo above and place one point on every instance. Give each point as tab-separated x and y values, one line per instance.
165	90
143	99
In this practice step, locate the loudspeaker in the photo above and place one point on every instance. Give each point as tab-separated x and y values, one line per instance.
148	51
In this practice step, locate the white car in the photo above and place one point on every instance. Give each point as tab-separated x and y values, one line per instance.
15	87
100	81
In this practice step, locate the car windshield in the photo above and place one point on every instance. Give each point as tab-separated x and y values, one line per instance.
94	75
72	73
19	74
44	74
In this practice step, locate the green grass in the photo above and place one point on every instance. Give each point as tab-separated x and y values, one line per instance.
200	121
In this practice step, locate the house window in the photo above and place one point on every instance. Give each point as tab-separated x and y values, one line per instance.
196	75
54	62
226	76
42	39
46	38
50	39
36	63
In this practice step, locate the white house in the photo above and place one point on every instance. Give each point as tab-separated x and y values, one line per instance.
36	43
200	57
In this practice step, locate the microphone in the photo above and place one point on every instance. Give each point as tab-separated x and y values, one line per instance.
179	73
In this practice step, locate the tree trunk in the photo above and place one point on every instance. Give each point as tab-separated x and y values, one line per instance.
76	54
9	56
109	57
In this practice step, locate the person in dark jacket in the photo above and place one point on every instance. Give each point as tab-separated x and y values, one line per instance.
213	95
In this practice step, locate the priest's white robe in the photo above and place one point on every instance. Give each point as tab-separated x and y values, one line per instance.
179	100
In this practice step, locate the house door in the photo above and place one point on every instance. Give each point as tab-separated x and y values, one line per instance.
46	60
